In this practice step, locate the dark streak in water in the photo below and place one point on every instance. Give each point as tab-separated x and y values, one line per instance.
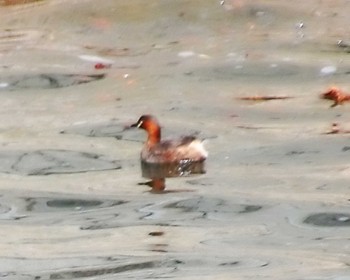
102	271
99	226
31	202
250	208
229	263
112	270
156	233
200	182
73	203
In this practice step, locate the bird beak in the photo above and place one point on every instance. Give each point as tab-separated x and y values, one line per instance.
138	124
126	127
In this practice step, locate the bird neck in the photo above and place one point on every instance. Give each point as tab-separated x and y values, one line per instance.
154	135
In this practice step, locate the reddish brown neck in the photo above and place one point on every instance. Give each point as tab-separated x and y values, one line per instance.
153	134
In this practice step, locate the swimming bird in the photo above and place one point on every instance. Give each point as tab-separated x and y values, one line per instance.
158	151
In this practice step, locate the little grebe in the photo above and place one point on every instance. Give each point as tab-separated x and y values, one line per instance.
168	151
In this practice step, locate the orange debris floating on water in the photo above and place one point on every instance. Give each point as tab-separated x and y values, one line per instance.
100	65
337	95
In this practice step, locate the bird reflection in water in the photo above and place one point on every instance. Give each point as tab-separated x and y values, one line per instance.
158	172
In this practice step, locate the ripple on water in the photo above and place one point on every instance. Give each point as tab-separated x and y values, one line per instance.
106	271
207	205
17	2
11	38
196	208
248	70
85	211
46	162
44	204
4	208
45	80
328	219
99	130
110	267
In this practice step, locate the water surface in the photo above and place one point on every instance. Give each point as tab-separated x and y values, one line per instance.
274	202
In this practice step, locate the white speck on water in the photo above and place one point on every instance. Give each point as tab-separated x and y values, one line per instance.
203	56
343	219
231	54
273	65
300	25
328	70
93	58
79	122
260	13
186	54
4	85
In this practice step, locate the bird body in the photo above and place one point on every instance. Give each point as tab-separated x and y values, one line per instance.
160	151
